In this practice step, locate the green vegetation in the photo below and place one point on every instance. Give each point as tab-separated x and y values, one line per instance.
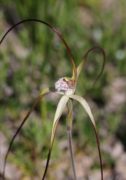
32	58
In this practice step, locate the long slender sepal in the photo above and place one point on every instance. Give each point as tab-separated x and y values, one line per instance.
48	159
60	108
74	73
43	93
86	107
85	58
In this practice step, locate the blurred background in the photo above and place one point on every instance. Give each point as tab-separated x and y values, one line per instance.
32	57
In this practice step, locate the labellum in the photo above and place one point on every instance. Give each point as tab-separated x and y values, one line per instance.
65	85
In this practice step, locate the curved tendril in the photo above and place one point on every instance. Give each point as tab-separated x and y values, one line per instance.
74	74
85	61
20	127
104	60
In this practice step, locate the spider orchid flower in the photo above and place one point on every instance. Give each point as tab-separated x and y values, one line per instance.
66	88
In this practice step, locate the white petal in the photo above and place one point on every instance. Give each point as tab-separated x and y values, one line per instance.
85	105
60	108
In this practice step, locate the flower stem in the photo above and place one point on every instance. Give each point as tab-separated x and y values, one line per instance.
69	132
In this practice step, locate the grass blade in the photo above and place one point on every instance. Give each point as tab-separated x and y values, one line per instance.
86	107
37	100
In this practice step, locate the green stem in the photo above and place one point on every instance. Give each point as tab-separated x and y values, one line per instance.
69	132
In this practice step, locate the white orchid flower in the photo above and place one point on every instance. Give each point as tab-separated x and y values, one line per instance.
66	87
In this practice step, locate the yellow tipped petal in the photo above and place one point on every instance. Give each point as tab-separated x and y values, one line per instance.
44	91
79	68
